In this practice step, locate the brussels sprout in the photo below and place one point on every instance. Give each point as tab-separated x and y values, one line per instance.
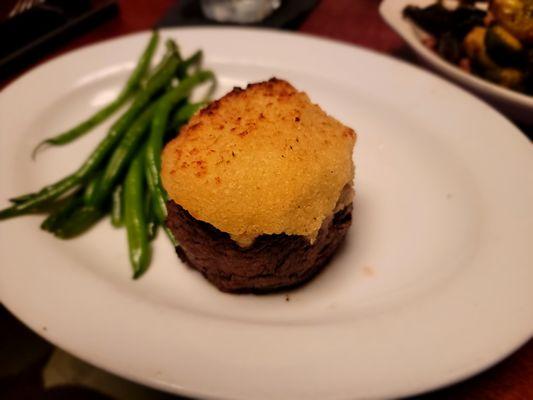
516	16
509	77
503	47
474	45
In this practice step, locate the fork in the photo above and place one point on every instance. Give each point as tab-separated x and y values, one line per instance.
23	6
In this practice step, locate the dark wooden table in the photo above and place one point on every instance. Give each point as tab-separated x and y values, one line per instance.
356	22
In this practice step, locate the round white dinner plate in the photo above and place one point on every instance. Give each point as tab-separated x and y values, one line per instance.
516	105
433	284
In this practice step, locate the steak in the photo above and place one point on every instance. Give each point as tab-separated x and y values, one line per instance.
272	262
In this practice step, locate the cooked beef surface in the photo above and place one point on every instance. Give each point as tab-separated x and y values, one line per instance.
271	263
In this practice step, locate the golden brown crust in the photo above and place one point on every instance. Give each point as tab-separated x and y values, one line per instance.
264	160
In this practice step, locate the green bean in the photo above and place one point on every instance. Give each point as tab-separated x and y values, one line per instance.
119	128
153	159
117	204
127	147
159	207
170	236
58	217
159	196
171	52
122	155
134	218
183	114
78	222
127	91
151	220
51	206
21	199
194	60
143	64
153	153
40	198
172	47
151	227
92	186
30	196
157	82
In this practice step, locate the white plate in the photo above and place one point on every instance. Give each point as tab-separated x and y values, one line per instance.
516	105
433	284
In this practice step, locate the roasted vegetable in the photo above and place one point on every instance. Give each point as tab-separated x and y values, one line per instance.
516	16
437	20
502	47
494	43
474	45
449	47
511	78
